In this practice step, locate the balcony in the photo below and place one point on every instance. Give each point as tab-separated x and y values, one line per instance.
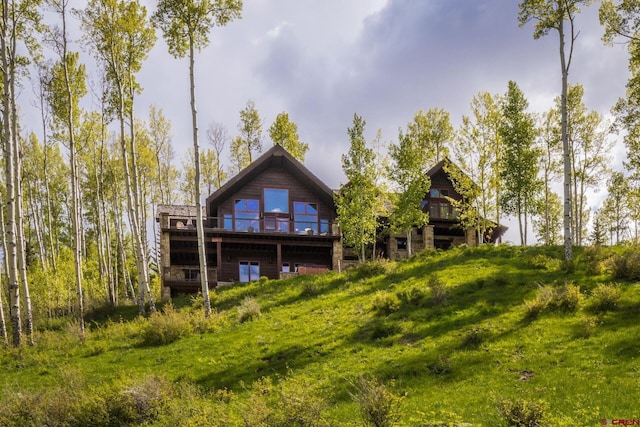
275	225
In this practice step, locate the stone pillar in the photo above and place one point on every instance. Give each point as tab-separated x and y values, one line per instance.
165	261
428	236
336	256
471	237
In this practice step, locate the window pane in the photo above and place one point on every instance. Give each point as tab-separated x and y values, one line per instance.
254	271
245	210
283	225
434	192
434	210
244	271
253	205
298	207
228	223
276	200
312	208
324	225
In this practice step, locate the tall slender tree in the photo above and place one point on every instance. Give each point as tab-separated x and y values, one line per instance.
520	162
356	200
477	153
67	87
121	37
552	15
186	26
410	159
18	22
550	144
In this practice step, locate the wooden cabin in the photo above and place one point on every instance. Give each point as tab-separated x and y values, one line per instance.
444	229
274	219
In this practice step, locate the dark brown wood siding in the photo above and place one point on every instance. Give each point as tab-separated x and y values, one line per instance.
281	179
442	182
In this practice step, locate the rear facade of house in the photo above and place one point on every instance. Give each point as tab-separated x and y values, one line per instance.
274	219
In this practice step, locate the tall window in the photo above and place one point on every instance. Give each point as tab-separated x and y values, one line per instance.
305	217
276	209
442	210
276	200
247	214
249	271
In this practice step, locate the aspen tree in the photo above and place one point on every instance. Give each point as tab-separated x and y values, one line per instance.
552	15
185	26
121	37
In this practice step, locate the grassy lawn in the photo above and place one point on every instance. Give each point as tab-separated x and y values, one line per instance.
442	338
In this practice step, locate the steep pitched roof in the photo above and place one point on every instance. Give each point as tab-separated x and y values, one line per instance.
278	157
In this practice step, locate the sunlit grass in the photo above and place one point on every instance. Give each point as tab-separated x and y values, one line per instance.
450	359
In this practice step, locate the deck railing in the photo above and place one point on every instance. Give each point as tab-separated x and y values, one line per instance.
267	224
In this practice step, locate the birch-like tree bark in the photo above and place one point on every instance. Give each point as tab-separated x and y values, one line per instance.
185	27
10	151
552	15
65	95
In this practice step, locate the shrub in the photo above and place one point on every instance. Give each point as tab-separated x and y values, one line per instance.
593	259
289	402
412	296
588	326
568	297
626	266
301	405
165	327
310	289
248	309
378	406
140	402
544	262
605	297
385	302
440	366
439	292
521	412
372	268
542	301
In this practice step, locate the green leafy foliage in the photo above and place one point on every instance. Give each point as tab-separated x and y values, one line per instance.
284	132
626	266
356	202
605	297
165	327
385	302
522	412
378	406
519	163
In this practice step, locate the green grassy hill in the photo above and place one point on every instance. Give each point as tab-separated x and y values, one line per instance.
462	337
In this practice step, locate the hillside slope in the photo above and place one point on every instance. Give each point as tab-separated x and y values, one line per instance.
462	336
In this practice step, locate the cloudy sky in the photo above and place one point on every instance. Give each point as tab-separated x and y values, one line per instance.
323	61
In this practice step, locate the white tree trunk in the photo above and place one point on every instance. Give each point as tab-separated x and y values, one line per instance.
204	280
9	155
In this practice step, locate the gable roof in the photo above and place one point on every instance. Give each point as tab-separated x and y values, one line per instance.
275	157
